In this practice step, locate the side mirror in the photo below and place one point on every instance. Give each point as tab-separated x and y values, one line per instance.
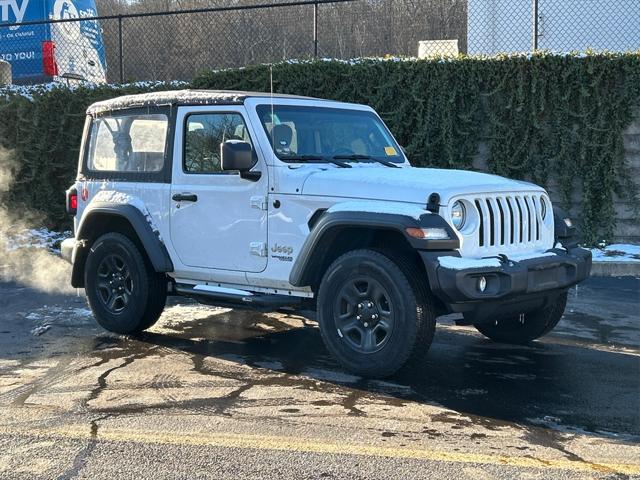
236	155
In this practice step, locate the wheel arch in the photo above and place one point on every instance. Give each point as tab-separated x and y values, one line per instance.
335	233
127	220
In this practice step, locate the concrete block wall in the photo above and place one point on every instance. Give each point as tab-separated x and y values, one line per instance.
628	227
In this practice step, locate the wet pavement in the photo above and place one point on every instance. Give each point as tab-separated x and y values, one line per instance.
218	393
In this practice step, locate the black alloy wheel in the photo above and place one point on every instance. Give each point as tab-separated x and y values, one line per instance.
375	312
125	293
115	285
364	314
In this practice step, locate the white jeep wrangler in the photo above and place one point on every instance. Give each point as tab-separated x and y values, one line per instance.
290	203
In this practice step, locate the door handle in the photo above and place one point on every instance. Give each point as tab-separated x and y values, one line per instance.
185	197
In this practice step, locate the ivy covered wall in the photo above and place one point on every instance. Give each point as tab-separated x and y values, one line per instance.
555	120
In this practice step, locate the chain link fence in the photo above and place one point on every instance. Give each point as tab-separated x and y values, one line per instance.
74	45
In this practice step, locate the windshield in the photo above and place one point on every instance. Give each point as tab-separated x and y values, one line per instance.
312	134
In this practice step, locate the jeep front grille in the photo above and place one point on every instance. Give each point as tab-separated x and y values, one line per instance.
510	220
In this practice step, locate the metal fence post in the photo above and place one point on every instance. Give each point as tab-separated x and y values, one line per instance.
534	20
120	49
315	30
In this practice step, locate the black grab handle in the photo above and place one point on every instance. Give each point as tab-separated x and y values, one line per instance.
185	197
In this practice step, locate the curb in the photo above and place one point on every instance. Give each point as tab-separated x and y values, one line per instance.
615	269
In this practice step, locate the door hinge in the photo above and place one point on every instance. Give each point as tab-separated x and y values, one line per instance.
259	249
259	202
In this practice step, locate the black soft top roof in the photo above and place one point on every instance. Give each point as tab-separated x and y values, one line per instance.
181	97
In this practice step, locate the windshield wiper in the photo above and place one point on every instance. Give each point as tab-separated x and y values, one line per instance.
315	158
386	163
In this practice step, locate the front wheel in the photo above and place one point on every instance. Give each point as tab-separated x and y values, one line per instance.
374	313
125	294
526	327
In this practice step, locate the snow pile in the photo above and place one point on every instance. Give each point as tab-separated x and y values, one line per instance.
41	238
618	252
47	317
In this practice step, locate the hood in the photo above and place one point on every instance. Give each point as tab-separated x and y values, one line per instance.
407	184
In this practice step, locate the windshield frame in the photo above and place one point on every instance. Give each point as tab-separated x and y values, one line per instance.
398	160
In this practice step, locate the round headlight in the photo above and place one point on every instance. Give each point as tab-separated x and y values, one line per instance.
458	215
543	208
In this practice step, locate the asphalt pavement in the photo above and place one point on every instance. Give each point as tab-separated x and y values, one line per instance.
218	393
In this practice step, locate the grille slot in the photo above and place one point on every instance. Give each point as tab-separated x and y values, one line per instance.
508	220
481	226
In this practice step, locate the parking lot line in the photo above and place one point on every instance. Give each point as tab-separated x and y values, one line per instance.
299	445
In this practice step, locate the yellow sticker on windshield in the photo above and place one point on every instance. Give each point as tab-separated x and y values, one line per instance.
390	151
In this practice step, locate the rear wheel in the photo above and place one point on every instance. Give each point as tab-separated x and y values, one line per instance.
374	315
126	295
527	327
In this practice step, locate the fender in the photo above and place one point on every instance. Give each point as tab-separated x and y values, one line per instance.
150	240
331	223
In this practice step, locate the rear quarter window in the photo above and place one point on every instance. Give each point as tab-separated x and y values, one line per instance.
133	143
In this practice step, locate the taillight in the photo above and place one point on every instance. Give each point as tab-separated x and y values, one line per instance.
72	201
49	58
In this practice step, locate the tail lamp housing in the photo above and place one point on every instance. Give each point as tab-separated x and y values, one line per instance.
72	201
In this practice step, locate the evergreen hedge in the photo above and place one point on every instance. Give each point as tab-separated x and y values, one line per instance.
546	118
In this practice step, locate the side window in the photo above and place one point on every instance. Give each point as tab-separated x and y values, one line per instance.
133	143
203	135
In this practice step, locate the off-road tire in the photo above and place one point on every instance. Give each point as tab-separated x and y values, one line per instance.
535	324
146	290
408	302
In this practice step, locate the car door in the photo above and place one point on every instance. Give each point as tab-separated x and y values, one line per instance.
218	219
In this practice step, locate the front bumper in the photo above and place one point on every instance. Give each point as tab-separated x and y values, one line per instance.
512	287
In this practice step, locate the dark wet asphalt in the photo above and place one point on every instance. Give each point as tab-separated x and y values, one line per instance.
583	378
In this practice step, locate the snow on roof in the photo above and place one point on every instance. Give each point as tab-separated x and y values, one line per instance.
179	97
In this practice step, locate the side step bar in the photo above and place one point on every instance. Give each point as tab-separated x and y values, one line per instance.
233	298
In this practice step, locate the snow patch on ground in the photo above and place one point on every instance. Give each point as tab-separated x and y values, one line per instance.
47	317
40	330
555	423
396	208
41	238
618	252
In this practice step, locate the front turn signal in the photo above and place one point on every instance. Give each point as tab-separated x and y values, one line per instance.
428	233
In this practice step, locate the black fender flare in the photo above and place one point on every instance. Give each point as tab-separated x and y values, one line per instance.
330	223
150	239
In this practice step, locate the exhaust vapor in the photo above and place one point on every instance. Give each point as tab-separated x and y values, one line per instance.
25	252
